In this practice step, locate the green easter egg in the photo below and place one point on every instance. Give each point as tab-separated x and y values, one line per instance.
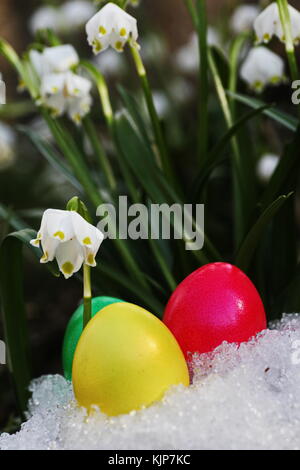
74	330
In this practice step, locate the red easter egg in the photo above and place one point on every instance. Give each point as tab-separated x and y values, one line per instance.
215	303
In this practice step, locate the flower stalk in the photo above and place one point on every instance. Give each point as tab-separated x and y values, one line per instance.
87	295
289	43
141	71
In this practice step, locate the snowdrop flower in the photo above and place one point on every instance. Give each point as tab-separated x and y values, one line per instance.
268	24
187	58
266	166
75	14
68	238
262	67
43	18
2	91
243	17
67	93
7	146
54	59
111	26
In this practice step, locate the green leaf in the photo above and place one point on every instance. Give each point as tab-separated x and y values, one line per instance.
285	119
51	156
215	156
15	323
133	107
249	245
286	170
139	158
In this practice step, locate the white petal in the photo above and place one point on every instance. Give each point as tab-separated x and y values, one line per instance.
267	23
59	226
60	58
79	107
77	86
49	246
69	257
89	237
111	26
262	67
53	84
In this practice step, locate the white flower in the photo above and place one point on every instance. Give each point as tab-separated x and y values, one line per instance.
67	93
75	13
43	18
54	59
266	166
243	17
268	24
69	238
111	26
2	91
261	68
62	91
187	57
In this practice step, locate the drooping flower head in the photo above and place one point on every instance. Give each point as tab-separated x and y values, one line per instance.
268	24
61	90
68	238
55	59
111	26
262	67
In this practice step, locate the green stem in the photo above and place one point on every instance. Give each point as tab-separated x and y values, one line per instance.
90	130
203	83
234	55
164	159
87	295
239	179
102	89
192	11
289	42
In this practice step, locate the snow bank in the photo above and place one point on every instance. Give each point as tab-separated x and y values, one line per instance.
245	397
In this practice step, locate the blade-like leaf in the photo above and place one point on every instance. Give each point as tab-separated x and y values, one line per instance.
286	169
249	245
140	160
215	156
51	156
14	315
288	121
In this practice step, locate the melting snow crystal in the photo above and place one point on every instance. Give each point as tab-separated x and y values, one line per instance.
245	397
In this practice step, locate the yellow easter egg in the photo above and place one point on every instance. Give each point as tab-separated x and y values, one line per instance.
126	358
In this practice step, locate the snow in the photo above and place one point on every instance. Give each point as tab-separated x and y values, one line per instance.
243	397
